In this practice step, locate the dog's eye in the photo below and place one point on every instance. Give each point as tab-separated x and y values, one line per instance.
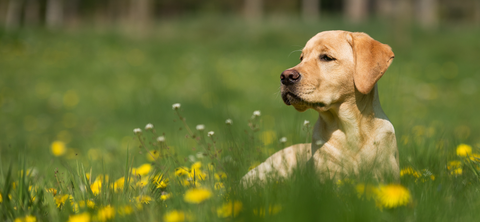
301	58
325	57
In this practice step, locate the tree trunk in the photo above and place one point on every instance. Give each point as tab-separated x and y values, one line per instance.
141	13
477	12
356	10
384	8
253	9
427	13
14	13
54	13
32	12
310	9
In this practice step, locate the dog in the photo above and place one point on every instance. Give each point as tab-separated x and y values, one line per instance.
337	77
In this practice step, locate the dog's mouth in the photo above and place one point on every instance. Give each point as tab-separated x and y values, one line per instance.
292	99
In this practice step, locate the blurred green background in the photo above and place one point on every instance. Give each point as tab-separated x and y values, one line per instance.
88	72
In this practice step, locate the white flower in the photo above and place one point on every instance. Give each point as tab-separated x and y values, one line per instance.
161	139
199	155
256	113
149	126
200	127
192	158
228	122
210	133
137	130
283	140
176	106
306	122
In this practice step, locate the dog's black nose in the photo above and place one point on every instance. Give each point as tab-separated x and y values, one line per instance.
290	76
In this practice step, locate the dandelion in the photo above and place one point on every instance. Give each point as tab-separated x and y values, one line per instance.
125	210
272	210
1	198
53	191
199	155
160	181
368	190
197	195
283	140
137	131
161	139
106	213
306	123
174	216
464	150
165	196
200	127
319	142
455	167
118	184
96	187
256	113
89	204
149	126
144	199
83	217
176	106
219	185
181	171
393	195
142	170
153	155
58	148
60	200
409	171
228	122
227	209
475	157
210	134
27	218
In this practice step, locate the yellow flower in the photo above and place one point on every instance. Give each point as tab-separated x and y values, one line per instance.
27	218
1	198
219	185
368	191
142	170
174	216
220	175
272	210
143	199
181	171
464	150
83	217
475	157
153	155
409	171
125	210
457	171
60	200
142	183
455	167
393	195
90	204
106	213
226	209
196	173
96	187
58	148
118	185
160	181
197	195
165	196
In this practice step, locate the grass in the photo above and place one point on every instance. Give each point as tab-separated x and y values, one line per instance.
89	88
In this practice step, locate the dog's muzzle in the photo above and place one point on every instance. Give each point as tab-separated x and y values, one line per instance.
290	77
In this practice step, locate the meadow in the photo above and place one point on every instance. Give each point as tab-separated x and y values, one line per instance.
70	101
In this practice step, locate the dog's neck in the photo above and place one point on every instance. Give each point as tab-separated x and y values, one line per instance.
346	125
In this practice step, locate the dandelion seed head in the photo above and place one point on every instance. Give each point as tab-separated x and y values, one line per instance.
228	122
199	155
306	123
191	158
210	133
149	126
161	139
176	106
137	131
283	140
256	113
200	127
319	142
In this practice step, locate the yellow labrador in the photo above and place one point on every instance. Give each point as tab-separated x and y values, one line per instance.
337	77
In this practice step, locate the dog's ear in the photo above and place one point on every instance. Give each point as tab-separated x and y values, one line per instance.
372	59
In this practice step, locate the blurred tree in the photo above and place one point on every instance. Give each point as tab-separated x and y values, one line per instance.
310	9
384	8
14	13
253	9
477	12
54	13
356	10
140	13
427	12
32	12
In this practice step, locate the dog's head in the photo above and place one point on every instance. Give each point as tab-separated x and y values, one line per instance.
334	65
